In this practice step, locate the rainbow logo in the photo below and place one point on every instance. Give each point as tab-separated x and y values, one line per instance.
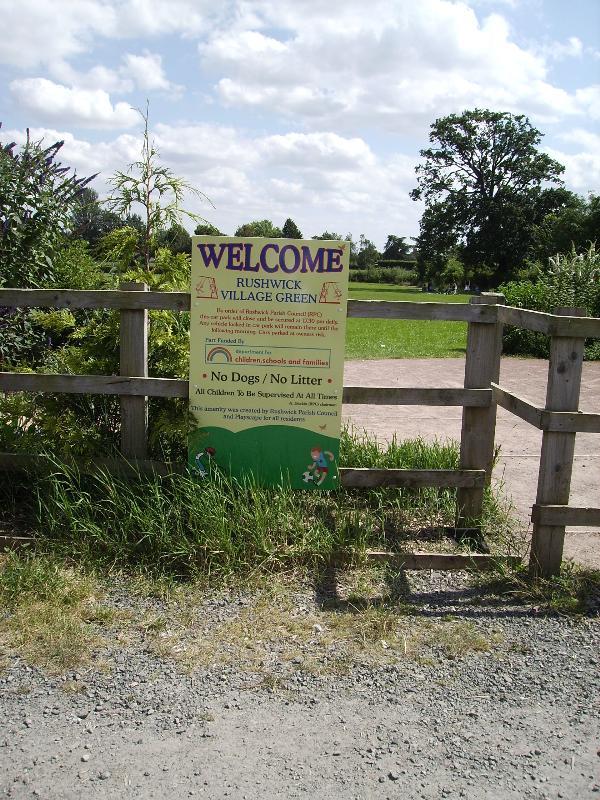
220	355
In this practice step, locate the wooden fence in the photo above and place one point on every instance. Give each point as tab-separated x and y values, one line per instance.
560	420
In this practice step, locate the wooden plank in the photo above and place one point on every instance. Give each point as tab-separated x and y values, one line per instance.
556	460
134	362
588	327
97	298
518	406
444	561
551	324
570	422
92	384
524	318
366	478
400	309
482	368
350	478
566	421
396	395
566	515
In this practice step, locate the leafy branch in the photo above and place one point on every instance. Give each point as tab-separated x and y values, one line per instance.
150	184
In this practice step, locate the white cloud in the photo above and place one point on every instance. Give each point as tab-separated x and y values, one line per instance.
42	32
83	107
398	65
147	72
98	77
144	72
572	48
316	151
582	163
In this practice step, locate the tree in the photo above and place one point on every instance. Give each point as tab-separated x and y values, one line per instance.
90	221
37	197
260	227
290	230
206	229
396	247
175	238
368	255
156	189
482	185
572	223
337	237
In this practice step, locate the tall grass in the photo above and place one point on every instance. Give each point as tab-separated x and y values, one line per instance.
181	525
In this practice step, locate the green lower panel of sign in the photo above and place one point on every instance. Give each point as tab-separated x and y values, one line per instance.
271	455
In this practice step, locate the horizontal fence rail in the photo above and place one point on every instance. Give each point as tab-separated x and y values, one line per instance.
181	301
565	515
543	419
365	478
93	384
550	324
95	298
403	309
176	387
445	561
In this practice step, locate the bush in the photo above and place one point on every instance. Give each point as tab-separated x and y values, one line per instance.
394	275
404	263
570	281
37	196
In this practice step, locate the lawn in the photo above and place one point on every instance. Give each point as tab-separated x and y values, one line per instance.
382	338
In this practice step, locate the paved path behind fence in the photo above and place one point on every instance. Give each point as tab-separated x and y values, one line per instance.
520	443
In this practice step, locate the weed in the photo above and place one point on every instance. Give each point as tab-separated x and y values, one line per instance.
456	639
575	590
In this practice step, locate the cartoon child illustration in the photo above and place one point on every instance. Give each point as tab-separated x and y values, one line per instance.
320	467
209	452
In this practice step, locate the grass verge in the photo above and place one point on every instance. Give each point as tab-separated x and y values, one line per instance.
575	591
380	338
53	613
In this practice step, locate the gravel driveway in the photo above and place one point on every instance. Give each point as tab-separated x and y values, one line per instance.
516	720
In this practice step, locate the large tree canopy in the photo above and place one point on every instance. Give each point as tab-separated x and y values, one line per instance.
482	182
260	227
290	230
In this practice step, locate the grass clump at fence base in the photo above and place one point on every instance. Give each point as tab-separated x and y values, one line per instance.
575	590
181	525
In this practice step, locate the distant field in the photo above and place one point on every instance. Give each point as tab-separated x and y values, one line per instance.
382	338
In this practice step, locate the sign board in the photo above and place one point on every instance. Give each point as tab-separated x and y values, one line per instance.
268	321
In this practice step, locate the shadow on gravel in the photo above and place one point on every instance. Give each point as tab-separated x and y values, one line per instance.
469	602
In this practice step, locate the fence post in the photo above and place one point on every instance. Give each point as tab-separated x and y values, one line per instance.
482	366
134	363
556	460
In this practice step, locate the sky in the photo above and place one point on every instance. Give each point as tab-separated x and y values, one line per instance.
309	109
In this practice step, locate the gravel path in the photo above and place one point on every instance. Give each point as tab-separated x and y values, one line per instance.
519	721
